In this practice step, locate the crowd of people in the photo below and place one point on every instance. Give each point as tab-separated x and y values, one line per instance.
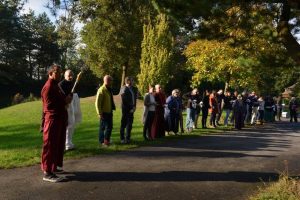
162	115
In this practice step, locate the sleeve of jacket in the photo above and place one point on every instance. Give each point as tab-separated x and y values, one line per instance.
99	101
147	100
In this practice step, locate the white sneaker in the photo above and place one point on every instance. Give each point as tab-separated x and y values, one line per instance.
71	147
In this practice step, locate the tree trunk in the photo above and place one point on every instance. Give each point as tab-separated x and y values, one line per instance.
228	77
291	44
226	87
124	72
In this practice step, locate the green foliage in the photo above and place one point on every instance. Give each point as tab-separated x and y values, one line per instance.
157	47
67	41
113	33
28	44
213	60
240	49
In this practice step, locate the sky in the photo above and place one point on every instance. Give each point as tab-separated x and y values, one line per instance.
39	6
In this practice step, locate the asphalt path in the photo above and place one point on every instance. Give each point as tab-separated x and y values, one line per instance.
227	166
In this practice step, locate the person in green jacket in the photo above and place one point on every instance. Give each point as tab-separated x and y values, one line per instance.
104	107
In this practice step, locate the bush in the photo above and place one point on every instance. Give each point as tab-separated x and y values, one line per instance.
30	98
18	98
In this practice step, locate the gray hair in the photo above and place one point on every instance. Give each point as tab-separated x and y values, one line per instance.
175	91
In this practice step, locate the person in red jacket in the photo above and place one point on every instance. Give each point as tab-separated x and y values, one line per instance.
213	110
55	123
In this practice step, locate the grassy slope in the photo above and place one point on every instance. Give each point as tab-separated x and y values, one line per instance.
21	142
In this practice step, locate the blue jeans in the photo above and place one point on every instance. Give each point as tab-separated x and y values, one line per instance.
105	129
190	118
228	111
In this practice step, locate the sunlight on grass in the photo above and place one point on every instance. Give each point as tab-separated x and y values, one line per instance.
21	141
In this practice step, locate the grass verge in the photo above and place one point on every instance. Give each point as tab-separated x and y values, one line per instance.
21	141
286	188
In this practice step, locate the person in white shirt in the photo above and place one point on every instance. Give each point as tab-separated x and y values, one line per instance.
261	109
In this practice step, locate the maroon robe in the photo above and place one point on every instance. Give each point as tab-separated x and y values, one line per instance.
158	125
55	123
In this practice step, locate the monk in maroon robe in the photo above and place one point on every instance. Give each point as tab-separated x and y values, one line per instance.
158	125
55	123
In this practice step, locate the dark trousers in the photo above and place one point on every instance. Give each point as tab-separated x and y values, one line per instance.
218	116
293	114
181	122
239	120
213	119
148	125
126	122
204	117
261	115
106	125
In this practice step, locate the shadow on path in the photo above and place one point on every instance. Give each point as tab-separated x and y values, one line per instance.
176	176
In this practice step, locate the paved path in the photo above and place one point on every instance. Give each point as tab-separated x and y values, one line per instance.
226	166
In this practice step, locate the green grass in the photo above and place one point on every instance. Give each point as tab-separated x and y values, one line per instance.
21	141
285	189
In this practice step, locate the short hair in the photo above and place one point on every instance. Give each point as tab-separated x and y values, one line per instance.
53	68
175	91
128	78
107	77
69	71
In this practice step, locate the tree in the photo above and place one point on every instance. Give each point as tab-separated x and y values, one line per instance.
157	47
112	35
213	60
242	50
28	44
185	11
47	49
67	41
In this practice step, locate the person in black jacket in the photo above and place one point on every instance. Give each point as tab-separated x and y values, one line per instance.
238	111
293	109
227	106
128	96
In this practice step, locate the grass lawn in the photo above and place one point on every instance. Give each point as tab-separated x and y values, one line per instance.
21	141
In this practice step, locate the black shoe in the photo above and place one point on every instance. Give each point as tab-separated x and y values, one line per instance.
50	177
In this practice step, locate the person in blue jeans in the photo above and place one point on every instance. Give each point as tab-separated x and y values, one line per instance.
104	107
227	106
193	99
